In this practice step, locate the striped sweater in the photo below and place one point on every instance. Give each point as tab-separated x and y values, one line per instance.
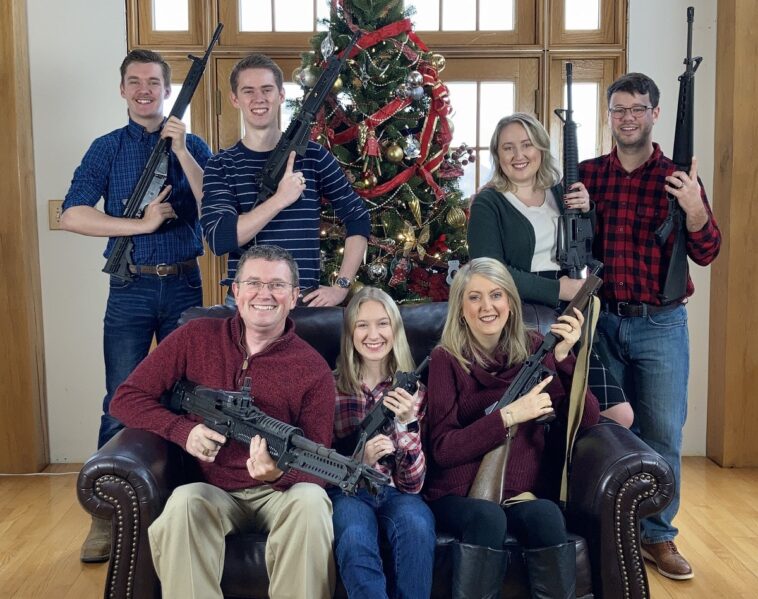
230	189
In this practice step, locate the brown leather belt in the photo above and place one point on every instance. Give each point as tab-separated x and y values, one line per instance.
163	270
637	309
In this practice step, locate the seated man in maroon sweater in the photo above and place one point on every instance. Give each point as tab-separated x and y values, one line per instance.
243	490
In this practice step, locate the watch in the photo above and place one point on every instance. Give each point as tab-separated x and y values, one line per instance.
343	282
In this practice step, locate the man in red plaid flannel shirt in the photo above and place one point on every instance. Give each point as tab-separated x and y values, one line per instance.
644	341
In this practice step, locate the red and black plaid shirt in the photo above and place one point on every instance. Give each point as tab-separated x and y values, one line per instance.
410	463
629	208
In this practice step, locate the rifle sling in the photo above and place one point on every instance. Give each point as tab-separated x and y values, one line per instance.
579	390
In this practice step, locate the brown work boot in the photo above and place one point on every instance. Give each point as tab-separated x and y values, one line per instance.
97	546
667	559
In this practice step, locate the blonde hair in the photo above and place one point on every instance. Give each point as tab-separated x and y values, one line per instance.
349	362
549	172
458	339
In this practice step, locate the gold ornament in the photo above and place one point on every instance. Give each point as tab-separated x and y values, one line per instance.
455	217
438	62
415	207
356	287
338	85
411	242
394	153
296	74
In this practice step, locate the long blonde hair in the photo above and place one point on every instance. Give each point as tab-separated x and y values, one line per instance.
349	362
549	172
458	339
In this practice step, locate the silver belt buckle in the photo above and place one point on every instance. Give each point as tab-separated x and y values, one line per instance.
163	269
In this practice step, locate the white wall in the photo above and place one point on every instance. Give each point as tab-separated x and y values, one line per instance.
657	46
75	49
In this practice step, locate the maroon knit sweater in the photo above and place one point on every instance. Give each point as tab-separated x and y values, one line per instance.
290	382
459	434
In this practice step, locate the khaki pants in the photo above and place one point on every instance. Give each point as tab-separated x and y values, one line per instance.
188	539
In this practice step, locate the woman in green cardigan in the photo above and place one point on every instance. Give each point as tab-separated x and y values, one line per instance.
514	218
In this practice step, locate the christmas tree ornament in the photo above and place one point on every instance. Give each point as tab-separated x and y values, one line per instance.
372	155
327	46
417	93
296	76
308	77
455	217
377	271
337	86
412	149
402	91
438	62
453	266
414	205
400	268
414	79
394	153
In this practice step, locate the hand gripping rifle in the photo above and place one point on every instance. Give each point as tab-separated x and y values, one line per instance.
381	418
574	247
233	414
675	286
297	133
154	174
489	480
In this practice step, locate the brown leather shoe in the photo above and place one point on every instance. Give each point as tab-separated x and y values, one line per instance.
97	546
668	560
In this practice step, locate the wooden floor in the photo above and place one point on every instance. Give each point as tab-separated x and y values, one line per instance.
42	527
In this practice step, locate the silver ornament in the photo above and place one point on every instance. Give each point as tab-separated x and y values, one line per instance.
377	271
414	79
417	93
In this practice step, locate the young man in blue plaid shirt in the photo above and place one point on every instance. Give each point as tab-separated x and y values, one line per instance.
167	239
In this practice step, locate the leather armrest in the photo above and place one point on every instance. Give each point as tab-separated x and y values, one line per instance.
616	479
128	481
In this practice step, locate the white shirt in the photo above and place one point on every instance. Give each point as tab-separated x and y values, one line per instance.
544	221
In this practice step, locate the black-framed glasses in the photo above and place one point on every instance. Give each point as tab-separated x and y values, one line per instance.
275	287
619	112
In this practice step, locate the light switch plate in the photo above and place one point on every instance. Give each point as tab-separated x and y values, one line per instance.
54	209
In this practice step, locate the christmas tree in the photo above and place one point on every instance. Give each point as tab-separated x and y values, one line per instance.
387	121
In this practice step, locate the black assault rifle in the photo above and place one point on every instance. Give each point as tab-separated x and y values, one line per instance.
574	247
533	371
297	133
154	174
233	414
381	418
675	287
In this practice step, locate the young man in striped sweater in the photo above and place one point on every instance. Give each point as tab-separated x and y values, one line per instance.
232	218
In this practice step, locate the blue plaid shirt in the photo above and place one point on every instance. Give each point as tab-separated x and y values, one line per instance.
111	168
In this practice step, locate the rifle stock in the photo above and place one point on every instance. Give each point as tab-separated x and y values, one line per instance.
675	285
155	173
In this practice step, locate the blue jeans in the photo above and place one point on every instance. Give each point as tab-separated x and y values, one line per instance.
408	525
137	310
650	357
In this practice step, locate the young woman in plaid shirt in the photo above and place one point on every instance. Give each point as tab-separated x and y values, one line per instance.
373	347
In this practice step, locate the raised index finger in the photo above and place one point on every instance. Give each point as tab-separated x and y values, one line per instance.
290	163
541	385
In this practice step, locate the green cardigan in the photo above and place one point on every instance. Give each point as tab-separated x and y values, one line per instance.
498	230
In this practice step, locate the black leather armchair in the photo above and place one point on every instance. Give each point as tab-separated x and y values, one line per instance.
616	479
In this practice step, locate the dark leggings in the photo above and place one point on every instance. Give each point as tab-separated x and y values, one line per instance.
535	524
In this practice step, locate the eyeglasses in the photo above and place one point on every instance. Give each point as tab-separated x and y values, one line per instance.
619	112
275	287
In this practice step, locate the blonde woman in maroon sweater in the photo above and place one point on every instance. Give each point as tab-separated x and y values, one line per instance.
484	344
